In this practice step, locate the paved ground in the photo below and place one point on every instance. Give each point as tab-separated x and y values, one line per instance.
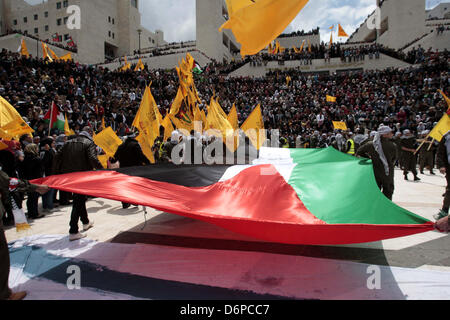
427	251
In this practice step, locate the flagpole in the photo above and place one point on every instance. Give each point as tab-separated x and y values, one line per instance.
431	143
423	142
51	118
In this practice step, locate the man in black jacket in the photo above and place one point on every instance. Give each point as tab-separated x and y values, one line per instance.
129	154
78	154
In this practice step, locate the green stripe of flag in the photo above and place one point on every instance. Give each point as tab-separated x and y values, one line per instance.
341	189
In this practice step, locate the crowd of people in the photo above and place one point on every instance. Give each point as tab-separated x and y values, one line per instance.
388	109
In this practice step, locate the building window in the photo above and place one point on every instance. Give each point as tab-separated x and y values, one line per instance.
36	17
153	40
15	22
134	3
113	21
109	19
65	20
46	14
59	22
113	35
36	30
25	19
109	34
58	5
46	28
65	3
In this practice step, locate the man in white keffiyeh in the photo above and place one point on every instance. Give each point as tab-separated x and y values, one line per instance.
383	153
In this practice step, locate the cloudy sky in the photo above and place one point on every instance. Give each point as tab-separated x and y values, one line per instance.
177	17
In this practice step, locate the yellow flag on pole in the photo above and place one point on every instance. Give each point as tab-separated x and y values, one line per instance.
140	66
45	53
23	49
147	119
341	32
103	160
249	21
67	130
253	127
340	125
301	47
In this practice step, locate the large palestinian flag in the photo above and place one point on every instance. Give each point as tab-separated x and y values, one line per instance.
295	196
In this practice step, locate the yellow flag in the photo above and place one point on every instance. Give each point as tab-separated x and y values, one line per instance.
146	146
108	141
277	48
168	127
140	66
254	128
66	57
340	125
288	80
176	104
331	39
53	54
23	49
301	47
45	52
331	99
11	123
205	123
67	130
249	21
217	119
332	27
341	32
3	146
103	160
233	118
147	119
441	128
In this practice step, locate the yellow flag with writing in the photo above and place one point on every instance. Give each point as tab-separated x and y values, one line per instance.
441	128
249	21
253	127
340	125
108	141
147	119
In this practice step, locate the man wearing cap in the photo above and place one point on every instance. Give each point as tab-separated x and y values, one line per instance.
408	143
383	153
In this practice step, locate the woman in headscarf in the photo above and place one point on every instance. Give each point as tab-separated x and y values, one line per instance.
31	168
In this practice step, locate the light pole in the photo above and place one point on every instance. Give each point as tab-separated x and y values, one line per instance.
139	32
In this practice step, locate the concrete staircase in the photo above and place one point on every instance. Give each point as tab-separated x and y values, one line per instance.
319	65
169	61
432	40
